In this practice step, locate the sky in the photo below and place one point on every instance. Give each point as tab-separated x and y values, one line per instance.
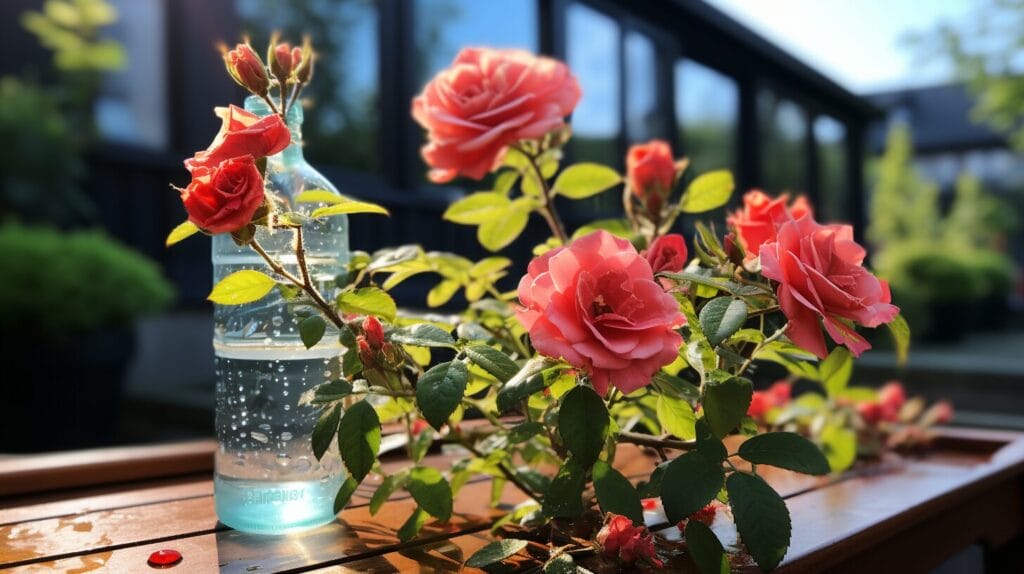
857	43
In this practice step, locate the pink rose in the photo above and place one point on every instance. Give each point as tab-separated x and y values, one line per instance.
225	198
820	274
651	171
776	396
595	304
620	538
487	100
757	222
667	253
242	134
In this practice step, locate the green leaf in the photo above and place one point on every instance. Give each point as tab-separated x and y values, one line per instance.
311	330
583	180
526	382
721	317
359	439
350	362
652	488
411	527
726	403
439	391
583	424
564	497
493	361
839	444
707	191
616	494
347	207
762	518
442	292
242	287
345	492
834	372
523	432
618	227
496	233
676	387
324	430
488	266
496	552
368	301
478	208
676	417
562	564
319	196
785	450
182	231
900	331
387	487
694	481
706	549
708	444
420	444
332	391
431	491
422	335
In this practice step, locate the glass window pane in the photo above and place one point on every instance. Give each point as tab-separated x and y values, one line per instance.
643	120
443	27
341	128
593	55
783	133
831	138
707	113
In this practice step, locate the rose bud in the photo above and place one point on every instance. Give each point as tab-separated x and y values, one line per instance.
667	253
247	69
281	64
374	332
366	354
759	404
942	412
620	538
892	396
651	173
870	411
304	70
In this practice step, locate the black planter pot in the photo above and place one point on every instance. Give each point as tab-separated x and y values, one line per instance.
60	396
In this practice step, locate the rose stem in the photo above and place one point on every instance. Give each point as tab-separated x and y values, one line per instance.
547	210
305	284
655	442
504	470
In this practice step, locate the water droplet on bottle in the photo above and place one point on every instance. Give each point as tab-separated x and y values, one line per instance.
259	436
287	407
286	436
264	427
284	393
283	459
243	434
277	321
280	369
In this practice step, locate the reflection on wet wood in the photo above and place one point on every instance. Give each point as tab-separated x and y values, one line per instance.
901	513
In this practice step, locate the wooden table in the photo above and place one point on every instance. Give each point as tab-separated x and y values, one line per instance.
107	510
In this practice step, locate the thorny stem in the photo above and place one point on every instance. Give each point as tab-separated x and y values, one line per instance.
270	103
774	336
305	283
654	442
509	475
547	210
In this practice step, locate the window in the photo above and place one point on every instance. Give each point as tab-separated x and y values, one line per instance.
832	174
593	55
707	114
341	128
443	27
783	137
643	117
131	103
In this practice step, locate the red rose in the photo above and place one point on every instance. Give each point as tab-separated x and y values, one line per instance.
224	198
243	134
759	404
870	411
776	396
487	100
620	538
651	172
374	332
247	69
667	253
757	222
820	274
595	304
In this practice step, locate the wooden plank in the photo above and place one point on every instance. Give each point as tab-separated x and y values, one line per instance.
36	473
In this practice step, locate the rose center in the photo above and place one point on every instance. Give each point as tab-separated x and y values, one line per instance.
598	307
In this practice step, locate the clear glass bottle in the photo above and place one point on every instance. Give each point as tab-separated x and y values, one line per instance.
267	478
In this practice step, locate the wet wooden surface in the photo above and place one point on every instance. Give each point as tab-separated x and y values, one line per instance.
99	512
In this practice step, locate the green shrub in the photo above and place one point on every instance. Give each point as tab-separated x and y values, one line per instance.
931	272
57	284
994	271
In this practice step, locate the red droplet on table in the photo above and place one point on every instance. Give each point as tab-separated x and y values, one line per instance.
164	558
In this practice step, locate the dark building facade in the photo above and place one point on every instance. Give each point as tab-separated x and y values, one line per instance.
678	70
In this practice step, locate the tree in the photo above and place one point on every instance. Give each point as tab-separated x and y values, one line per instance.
904	206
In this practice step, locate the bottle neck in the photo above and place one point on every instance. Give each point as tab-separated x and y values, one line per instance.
293	153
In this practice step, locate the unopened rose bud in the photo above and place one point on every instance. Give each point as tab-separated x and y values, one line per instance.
366	354
247	69
374	332
304	70
870	411
651	173
282	62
